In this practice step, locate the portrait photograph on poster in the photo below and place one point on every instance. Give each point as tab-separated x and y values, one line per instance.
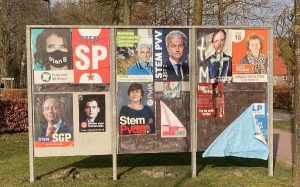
136	108
53	120
52	55
91	113
134	53
214	55
91	55
250	61
171	55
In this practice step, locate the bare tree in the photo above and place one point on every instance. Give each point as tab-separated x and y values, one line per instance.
198	12
296	166
14	15
242	12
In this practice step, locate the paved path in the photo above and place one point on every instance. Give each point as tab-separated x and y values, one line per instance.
283	145
282	116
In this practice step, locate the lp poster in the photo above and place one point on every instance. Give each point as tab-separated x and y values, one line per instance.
53	120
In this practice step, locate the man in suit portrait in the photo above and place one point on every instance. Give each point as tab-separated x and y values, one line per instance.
176	69
91	110
219	63
55	124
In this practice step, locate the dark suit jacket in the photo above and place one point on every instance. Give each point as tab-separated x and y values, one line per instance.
64	128
172	74
213	67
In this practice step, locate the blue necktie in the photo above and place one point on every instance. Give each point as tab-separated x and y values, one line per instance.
179	70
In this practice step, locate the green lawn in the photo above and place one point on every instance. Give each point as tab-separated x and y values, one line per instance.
168	169
284	125
283	111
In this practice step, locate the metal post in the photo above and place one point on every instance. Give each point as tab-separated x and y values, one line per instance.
29	94
270	104
113	99
193	100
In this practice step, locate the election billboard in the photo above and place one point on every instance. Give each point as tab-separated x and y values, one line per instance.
232	86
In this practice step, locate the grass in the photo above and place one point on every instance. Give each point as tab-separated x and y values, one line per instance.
161	169
286	111
284	125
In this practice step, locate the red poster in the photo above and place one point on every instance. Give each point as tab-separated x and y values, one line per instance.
210	101
91	55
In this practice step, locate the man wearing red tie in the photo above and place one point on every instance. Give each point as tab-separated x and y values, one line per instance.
55	123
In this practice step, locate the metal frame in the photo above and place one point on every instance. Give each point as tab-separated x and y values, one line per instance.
113	89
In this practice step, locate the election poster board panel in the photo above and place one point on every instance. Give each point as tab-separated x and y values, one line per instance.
91	55
171	48
172	123
250	48
91	113
84	143
134	55
52	56
219	100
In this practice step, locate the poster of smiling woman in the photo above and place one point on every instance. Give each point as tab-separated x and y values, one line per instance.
136	108
250	50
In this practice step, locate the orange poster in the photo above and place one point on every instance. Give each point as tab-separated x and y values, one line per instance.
249	55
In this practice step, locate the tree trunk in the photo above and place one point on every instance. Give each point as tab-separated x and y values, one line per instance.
221	12
197	13
296	166
127	12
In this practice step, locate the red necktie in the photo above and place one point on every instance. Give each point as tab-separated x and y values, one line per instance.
51	130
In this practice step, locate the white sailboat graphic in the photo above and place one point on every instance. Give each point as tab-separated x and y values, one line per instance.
171	126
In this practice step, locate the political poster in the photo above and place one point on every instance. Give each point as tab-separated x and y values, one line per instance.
250	63
91	113
134	54
53	120
260	117
171	126
172	90
171	55
214	55
52	55
210	100
136	108
91	55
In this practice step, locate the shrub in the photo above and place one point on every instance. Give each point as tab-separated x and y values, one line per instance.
14	111
14	94
283	97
